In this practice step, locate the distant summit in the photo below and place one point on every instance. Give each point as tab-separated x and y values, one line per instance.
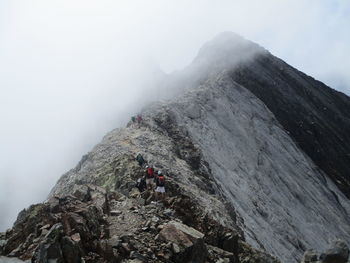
227	50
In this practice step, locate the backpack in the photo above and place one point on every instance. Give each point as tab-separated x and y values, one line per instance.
161	180
139	158
150	172
141	184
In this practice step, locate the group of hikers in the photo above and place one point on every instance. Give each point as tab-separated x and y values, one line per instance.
151	179
136	120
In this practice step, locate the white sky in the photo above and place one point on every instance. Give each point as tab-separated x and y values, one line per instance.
70	69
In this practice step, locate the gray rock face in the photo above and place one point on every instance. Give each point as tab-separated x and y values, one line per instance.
276	189
316	116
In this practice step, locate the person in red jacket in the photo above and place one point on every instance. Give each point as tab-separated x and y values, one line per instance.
138	120
149	177
160	186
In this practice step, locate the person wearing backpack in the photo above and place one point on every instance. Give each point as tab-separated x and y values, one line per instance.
140	159
149	174
160	186
141	184
138	120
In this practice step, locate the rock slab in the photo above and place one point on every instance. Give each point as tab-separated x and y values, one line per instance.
188	242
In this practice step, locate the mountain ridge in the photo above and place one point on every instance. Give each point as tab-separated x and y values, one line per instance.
235	170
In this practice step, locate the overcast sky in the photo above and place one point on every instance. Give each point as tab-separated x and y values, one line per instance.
70	69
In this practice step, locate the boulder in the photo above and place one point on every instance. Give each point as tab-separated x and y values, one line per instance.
248	254
54	204
230	242
310	256
134	261
99	200
141	201
134	193
115	212
115	241
82	192
2	244
49	250
221	255
137	255
71	251
337	253
12	260
106	250
187	242
76	237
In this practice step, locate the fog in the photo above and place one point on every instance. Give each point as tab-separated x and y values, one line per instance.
72	70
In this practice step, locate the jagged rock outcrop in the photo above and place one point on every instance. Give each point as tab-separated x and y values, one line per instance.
62	229
337	253
98	226
239	187
187	243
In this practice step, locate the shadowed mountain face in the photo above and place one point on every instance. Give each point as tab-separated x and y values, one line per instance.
316	116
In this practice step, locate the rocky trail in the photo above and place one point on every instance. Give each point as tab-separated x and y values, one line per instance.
92	225
95	222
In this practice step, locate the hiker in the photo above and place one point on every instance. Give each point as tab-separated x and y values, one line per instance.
160	183
141	184
149	175
140	159
138	118
133	119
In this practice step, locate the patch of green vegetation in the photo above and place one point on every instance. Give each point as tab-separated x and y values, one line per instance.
105	177
111	175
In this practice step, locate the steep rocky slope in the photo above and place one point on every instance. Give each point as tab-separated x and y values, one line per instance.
95	214
316	116
275	188
238	179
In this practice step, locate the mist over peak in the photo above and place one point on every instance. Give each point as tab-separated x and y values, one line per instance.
228	49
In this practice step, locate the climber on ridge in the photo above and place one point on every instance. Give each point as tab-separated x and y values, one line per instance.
141	184
138	118
140	159
149	174
160	183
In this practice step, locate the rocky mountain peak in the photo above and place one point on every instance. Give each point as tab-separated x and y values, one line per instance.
241	185
226	51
